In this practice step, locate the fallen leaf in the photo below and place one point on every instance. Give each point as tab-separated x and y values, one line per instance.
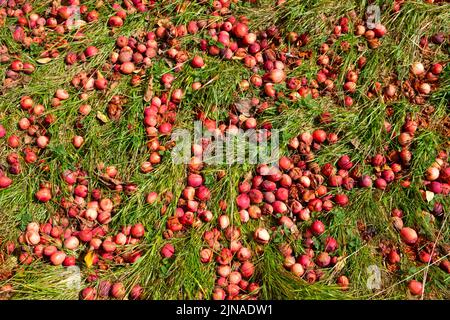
340	264
108	180
355	143
242	117
44	60
113	85
169	63
88	258
304	54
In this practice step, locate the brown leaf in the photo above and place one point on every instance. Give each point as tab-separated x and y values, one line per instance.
164	22
355	143
304	54
340	264
113	85
429	195
244	106
149	92
102	117
114	111
242	117
169	62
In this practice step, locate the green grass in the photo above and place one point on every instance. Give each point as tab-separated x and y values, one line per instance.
360	130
